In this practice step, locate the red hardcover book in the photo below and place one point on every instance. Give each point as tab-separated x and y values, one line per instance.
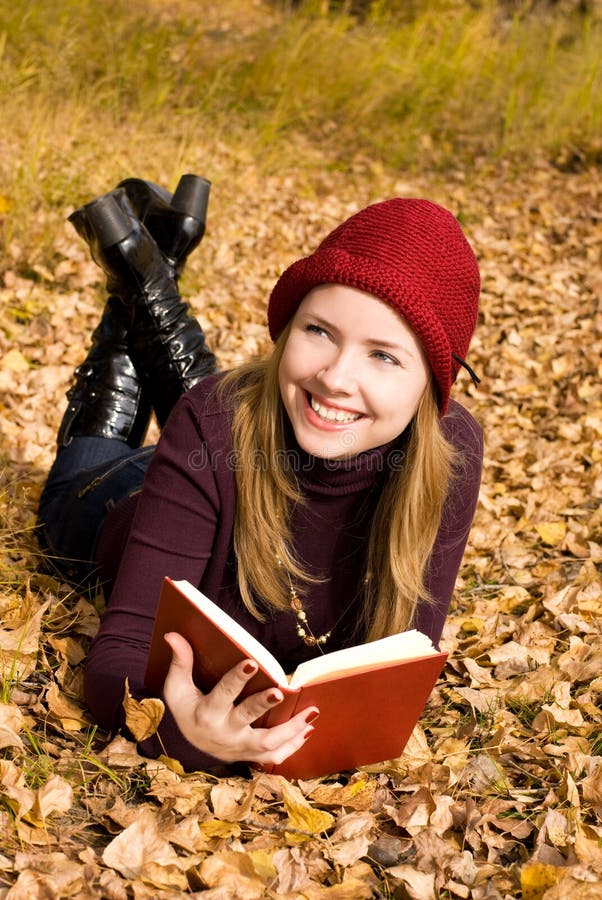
369	696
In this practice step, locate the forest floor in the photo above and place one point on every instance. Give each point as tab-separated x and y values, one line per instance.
499	792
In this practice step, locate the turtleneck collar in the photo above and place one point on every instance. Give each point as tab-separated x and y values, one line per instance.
343	476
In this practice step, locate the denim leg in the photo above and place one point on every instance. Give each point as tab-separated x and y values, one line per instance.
88	477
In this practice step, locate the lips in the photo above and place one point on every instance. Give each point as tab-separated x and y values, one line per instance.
332	414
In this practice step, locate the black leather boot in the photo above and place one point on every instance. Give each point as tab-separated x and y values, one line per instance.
166	344
177	223
106	399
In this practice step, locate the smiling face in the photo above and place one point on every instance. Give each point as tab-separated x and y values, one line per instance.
352	372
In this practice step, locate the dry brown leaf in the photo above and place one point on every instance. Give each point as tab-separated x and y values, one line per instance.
233	872
56	796
350	889
232	801
591	788
142	717
19	644
574	888
122	754
141	851
418	885
12	721
71	715
527	608
353	834
292	870
49	875
16	795
68	647
587	848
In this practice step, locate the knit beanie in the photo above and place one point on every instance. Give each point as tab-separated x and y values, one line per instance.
411	254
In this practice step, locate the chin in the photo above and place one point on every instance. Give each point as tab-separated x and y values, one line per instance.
329	450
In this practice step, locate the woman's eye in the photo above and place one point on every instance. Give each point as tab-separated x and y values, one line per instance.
315	329
385	357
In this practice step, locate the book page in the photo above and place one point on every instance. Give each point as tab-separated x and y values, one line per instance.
239	635
403	646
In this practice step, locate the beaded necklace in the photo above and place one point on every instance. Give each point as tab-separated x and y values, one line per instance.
303	630
302	626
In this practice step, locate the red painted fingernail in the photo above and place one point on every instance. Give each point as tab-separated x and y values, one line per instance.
309	732
274	698
312	716
249	668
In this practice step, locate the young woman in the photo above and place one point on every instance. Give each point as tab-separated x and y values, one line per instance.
322	496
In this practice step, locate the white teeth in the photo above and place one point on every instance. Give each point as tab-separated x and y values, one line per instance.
333	415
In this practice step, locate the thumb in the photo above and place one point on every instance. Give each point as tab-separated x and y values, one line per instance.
179	685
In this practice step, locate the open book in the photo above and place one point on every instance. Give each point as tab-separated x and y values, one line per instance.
369	696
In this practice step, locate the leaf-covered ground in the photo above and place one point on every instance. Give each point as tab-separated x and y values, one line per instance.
499	792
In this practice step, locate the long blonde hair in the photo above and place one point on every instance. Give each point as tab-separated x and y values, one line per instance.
404	524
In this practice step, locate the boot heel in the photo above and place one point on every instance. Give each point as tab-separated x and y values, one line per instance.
189	208
106	221
192	197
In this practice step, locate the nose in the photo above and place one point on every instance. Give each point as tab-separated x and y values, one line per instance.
339	375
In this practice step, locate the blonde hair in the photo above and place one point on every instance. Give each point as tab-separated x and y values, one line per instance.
404	524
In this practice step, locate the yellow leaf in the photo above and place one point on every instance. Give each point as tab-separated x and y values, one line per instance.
142	717
302	816
472	625
536	878
14	361
172	764
217	828
358	795
263	864
5	204
551	533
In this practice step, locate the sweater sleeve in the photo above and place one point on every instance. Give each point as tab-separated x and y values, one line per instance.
465	435
172	534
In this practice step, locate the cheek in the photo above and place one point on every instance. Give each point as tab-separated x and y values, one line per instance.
284	375
295	364
288	374
403	399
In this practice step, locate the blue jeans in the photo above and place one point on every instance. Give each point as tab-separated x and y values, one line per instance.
88	477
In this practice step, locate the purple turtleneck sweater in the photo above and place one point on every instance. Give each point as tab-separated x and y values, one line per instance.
181	525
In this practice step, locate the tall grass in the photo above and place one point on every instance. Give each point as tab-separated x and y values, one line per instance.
117	87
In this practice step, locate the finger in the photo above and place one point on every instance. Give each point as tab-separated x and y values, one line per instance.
230	685
255	706
272	739
278	754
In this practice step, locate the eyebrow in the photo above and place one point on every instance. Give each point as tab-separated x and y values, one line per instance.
372	342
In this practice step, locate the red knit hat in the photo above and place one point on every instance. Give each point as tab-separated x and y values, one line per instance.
413	255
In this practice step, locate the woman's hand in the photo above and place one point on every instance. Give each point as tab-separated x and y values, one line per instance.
212	723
